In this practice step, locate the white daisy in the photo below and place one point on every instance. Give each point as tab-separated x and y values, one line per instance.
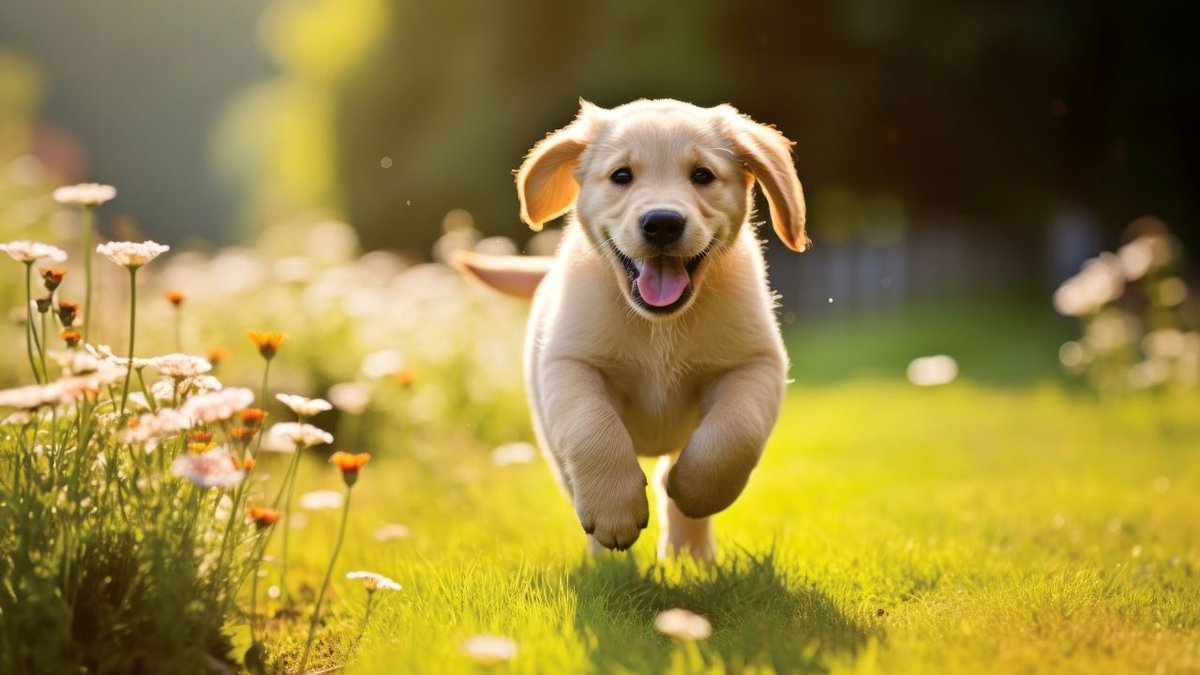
490	649
77	386
152	428
101	352
32	251
351	397
84	194
137	401
204	384
217	406
131	254
392	531
163	390
105	353
374	582
214	468
138	362
322	499
75	362
931	371
285	436
304	407
382	363
513	453
181	365
682	625
60	392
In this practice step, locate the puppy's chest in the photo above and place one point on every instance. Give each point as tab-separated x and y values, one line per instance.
658	394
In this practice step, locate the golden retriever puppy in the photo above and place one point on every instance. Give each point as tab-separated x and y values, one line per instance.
652	330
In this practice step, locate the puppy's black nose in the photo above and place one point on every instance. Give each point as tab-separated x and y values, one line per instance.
661	227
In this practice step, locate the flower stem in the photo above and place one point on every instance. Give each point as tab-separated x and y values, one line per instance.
263	396
337	547
146	392
89	224
44	345
289	482
366	619
132	325
262	548
178	329
30	333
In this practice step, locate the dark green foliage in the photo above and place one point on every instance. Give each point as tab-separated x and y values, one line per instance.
106	578
997	112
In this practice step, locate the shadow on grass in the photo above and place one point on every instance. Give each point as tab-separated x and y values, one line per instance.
761	616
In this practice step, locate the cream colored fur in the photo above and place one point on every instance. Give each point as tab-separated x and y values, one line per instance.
609	379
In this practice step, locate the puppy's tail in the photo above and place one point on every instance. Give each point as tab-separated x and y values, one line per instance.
515	275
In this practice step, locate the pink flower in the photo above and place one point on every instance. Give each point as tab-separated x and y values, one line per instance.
214	468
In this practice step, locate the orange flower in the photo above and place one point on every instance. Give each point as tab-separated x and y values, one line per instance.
267	343
200	436
404	377
243	434
52	278
199	447
244	464
253	417
174	297
71	337
67	312
349	463
217	355
262	516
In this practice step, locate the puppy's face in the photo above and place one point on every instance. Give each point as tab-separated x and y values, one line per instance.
661	194
662	188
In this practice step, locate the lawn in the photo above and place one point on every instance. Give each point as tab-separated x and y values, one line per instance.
1004	522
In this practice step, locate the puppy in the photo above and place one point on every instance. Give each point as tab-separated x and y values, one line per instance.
652	331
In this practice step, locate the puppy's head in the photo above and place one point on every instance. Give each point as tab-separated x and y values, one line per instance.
662	189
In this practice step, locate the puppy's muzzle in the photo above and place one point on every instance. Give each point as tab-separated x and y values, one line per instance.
661	227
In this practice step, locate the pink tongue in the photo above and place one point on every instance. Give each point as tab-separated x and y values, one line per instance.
661	280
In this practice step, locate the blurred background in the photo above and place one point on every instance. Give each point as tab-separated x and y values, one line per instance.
950	151
991	429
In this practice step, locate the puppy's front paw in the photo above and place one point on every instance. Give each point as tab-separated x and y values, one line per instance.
613	511
700	486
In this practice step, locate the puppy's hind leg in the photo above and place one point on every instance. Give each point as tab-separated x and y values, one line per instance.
677	532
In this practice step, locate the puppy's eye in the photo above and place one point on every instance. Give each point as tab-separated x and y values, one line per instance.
703	176
622	176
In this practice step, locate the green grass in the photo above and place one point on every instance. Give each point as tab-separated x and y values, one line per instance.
1004	341
888	529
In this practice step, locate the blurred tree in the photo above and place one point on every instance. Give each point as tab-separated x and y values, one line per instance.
131	89
998	111
394	112
25	180
454	97
425	108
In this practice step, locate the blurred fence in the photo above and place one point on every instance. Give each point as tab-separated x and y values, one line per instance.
936	263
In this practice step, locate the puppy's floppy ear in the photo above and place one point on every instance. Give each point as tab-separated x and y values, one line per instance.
768	156
545	184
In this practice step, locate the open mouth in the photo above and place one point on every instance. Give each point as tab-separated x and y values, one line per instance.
660	284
